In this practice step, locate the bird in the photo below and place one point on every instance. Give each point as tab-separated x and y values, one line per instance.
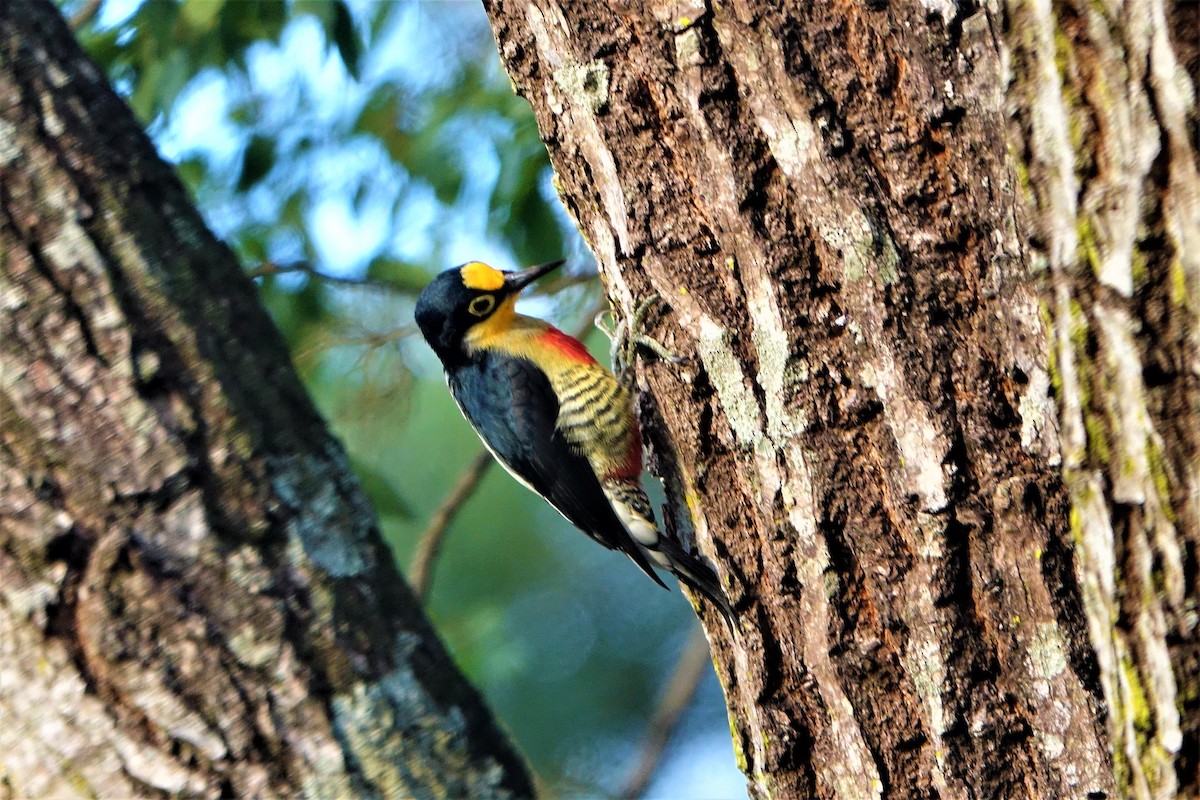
556	419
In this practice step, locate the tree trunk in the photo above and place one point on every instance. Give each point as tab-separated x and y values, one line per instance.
936	271
194	596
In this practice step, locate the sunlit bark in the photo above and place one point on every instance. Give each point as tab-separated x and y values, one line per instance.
936	271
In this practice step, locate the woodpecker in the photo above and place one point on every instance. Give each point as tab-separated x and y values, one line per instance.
555	419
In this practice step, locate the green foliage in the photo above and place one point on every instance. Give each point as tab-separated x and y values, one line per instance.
379	143
173	41
257	160
520	211
403	276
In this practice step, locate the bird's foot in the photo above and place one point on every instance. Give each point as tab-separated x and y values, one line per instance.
627	338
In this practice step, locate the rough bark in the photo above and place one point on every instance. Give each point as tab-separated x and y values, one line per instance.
194	596
848	210
1103	119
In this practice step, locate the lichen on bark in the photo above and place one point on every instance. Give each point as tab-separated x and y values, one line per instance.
864	224
194	596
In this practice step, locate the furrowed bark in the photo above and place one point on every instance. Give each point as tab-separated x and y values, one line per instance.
848	211
1103	117
194	596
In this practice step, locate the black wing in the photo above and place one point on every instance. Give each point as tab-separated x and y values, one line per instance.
512	407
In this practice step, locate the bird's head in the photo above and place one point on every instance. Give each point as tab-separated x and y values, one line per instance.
462	298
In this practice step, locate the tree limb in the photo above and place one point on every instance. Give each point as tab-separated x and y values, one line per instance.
691	668
429	545
194	594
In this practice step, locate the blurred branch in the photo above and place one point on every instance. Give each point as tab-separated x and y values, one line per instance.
367	339
560	282
420	575
546	287
675	700
85	14
303	267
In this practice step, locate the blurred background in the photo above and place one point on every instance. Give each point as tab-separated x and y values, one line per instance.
347	151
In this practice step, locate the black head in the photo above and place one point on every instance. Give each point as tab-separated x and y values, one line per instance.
461	298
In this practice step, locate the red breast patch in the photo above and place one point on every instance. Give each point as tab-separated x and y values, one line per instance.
567	345
632	468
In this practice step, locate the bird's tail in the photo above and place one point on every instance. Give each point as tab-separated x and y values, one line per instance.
633	509
698	576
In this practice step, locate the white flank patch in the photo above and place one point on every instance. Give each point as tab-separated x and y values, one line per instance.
641	529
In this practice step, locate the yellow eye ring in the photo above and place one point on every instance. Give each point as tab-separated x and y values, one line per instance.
482	306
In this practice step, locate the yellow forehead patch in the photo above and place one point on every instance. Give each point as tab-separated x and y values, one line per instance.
479	276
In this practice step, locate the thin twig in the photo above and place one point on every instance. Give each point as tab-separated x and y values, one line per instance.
304	268
549	287
368	340
675	700
85	14
560	282
420	575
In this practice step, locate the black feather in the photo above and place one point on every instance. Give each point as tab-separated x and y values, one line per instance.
698	576
511	405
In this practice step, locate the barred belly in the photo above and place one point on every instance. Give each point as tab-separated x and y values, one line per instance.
596	416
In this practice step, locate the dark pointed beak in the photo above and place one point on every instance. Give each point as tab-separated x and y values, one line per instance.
516	281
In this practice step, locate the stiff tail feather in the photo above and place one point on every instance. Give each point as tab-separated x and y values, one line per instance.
699	577
633	508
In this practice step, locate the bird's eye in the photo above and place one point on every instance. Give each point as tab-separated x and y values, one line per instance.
482	306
